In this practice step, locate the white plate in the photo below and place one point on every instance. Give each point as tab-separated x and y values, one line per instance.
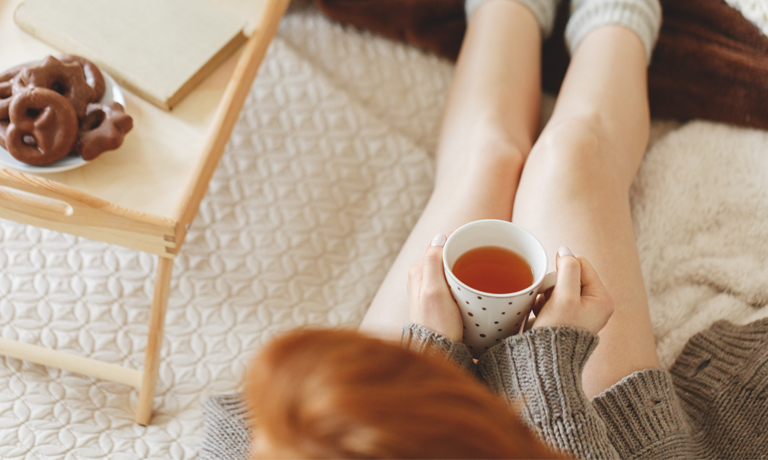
112	93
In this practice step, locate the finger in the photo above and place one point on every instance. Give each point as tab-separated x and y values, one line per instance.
433	277
540	301
415	276
529	323
568	275
591	283
438	240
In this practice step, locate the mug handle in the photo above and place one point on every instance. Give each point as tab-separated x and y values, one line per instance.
549	281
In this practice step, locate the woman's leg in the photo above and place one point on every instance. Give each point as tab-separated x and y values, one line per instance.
574	190
489	123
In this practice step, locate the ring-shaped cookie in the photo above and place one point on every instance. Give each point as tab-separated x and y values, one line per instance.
67	80
6	94
102	129
93	75
42	128
7	75
3	128
5	104
7	80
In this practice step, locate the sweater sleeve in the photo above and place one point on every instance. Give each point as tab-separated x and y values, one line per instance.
227	435
423	340
540	371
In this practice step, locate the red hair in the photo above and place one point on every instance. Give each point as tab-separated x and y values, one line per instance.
340	394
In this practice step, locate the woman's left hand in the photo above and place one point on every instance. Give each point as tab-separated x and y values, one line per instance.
431	302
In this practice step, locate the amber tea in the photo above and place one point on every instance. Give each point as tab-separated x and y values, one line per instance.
494	270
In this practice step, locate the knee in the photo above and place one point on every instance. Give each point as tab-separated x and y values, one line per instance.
496	165
575	153
488	154
493	142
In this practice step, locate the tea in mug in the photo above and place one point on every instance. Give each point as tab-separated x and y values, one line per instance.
494	270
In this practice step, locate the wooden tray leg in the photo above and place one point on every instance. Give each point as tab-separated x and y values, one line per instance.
154	341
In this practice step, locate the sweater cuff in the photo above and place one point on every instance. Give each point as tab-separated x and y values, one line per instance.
227	432
543	366
423	340
641	411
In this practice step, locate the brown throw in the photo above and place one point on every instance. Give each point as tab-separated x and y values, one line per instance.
709	63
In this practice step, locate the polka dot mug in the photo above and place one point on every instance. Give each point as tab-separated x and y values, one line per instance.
490	318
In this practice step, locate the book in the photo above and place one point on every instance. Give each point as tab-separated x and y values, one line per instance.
159	49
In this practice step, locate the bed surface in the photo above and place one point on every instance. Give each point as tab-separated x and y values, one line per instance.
328	168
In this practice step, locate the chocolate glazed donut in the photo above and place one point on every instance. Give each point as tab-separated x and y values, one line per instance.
42	128
67	80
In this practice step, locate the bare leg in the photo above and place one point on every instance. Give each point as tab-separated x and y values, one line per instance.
489	124
574	190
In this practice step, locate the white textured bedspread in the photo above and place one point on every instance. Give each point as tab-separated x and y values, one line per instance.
328	168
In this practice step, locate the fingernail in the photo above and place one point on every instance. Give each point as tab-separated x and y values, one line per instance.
438	240
563	251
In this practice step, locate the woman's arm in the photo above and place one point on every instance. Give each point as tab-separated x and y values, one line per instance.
540	370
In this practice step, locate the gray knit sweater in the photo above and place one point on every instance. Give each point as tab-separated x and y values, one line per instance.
713	403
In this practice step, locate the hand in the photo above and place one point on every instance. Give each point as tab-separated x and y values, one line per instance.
579	298
430	299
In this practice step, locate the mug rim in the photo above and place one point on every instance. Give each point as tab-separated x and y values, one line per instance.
536	282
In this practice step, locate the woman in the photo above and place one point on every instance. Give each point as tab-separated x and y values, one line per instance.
574	188
568	188
337	394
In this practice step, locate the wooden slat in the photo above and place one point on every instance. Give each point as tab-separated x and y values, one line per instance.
70	362
228	111
37	201
154	341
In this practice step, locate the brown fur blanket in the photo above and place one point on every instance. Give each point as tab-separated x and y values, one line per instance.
710	62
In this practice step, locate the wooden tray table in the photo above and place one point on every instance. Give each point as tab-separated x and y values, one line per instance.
142	196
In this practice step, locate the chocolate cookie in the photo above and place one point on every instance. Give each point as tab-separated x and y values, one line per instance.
42	128
102	129
93	75
7	80
50	110
65	79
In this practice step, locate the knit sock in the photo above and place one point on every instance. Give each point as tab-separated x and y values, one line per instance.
544	10
641	16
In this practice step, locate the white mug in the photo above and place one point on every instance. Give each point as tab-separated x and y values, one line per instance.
490	318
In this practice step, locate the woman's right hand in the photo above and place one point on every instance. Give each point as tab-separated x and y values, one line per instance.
431	302
579	298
